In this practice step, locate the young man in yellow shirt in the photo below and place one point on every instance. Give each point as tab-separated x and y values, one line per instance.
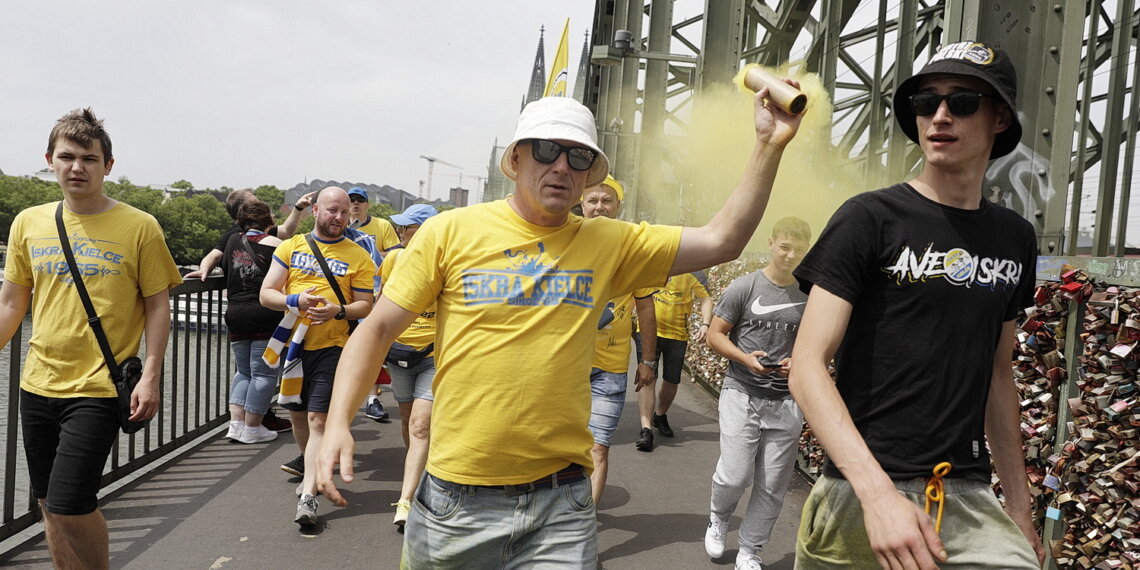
68	405
519	286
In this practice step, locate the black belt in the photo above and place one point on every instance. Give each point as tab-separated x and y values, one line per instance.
570	474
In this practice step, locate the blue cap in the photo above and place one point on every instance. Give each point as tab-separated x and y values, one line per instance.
415	214
358	191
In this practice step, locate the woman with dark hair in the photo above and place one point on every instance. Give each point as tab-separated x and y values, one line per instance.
244	263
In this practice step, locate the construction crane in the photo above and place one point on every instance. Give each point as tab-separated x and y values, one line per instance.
431	160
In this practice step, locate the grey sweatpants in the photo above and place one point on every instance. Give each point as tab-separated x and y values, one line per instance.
758	442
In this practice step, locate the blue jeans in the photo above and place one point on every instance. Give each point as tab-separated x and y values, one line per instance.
254	382
607	398
468	526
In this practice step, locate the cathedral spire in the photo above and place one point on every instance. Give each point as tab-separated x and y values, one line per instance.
538	74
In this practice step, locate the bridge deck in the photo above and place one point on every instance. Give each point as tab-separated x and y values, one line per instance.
228	506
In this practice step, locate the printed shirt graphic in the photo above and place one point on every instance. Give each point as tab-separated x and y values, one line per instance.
674	304
930	288
421	332
611	349
517	313
111	249
349	263
764	316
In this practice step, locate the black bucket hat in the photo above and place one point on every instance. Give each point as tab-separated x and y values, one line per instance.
973	59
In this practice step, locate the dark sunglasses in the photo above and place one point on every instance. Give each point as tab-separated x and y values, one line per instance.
546	152
357	199
961	104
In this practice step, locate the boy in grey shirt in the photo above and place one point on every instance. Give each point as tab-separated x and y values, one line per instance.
754	325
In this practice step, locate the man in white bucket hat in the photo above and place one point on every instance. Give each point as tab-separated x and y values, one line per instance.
519	286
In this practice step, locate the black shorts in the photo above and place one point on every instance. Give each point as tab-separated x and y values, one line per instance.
66	442
319	367
672	355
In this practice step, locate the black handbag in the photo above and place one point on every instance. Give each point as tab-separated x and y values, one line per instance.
329	276
125	375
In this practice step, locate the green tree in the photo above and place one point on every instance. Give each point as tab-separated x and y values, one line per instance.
145	199
18	193
183	185
192	225
271	195
381	211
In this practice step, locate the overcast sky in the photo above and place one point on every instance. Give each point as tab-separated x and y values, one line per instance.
242	93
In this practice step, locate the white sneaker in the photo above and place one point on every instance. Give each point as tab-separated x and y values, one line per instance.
256	434
235	431
714	536
745	561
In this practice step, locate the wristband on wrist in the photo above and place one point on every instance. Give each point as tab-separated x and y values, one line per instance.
650	363
704	324
299	207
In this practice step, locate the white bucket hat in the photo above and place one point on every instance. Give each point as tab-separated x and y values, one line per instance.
558	118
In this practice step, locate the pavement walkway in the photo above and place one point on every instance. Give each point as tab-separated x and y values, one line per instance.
228	506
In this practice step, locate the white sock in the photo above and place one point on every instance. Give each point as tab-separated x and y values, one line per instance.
373	398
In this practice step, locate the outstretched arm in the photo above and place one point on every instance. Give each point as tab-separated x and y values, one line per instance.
1003	432
207	265
900	533
355	375
299	212
725	235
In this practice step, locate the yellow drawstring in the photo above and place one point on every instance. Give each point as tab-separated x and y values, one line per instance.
935	492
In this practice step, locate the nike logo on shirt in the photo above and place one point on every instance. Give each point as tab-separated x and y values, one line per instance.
759	309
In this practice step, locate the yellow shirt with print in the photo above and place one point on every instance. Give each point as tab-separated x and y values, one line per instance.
111	250
351	266
383	231
611	349
421	332
517	310
674	304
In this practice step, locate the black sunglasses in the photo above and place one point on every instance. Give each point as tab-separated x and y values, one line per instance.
961	104
357	199
546	152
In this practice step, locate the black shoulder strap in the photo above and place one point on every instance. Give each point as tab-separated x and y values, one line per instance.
92	318
328	275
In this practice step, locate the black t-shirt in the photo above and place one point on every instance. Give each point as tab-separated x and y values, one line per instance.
930	287
245	316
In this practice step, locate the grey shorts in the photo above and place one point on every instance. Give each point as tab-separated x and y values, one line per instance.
413	383
975	529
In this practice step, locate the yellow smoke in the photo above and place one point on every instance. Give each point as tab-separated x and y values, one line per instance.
813	179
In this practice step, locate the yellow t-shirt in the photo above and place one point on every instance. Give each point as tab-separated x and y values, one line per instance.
111	250
421	332
383	231
674	303
611	349
351	266
517	309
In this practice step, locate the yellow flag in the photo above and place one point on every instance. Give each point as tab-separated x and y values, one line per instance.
556	86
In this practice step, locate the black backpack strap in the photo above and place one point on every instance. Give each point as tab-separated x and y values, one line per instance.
329	275
92	318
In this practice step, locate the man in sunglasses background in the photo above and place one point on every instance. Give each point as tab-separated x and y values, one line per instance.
519	286
915	290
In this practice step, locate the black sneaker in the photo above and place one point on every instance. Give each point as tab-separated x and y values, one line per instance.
662	424
295	467
375	411
274	423
645	442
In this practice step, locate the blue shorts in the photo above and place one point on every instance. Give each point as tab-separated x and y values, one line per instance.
413	383
66	442
607	398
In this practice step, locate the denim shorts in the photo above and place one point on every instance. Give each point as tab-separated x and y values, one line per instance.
607	398
413	383
470	526
66	442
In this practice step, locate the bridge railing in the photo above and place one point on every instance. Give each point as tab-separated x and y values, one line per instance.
195	391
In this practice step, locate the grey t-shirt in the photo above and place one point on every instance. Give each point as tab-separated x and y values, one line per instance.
765	317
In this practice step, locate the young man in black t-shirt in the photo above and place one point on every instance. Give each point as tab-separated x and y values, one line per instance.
917	288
